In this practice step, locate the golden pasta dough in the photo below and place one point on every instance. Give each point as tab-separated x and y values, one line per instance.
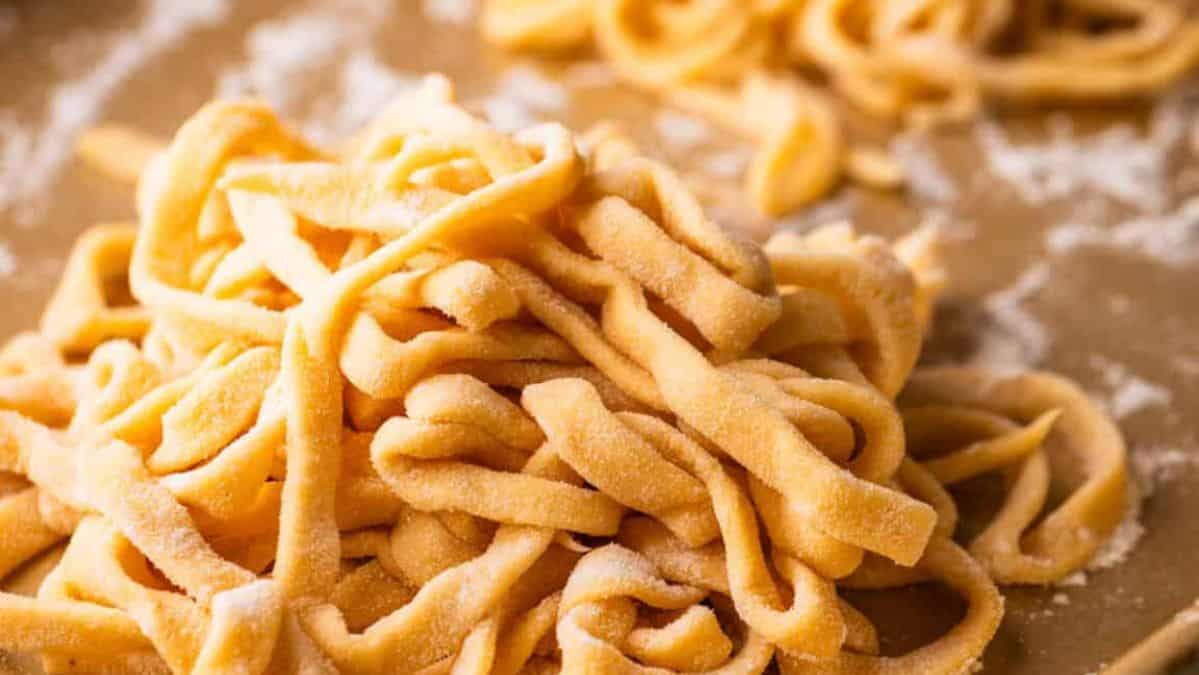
744	63
454	401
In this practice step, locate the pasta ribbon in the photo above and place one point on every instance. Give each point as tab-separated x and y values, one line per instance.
453	401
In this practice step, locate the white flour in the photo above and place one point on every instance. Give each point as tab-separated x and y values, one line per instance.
926	179
456	12
366	86
835	209
727	164
681	132
31	159
1117	163
1157	466
8	261
523	98
1123	541
1129	393
1018	338
286	59
281	53
1171	238
590	75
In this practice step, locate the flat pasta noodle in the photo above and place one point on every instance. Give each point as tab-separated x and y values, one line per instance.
453	401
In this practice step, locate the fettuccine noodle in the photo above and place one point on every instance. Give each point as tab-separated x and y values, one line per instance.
745	63
452	401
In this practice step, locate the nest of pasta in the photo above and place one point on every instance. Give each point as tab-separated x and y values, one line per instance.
448	400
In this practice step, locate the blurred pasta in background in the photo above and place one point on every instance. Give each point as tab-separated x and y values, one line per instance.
778	72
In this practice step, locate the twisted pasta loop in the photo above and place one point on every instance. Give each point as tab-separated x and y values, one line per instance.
451	401
1068	536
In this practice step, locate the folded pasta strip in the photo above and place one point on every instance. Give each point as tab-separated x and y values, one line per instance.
453	401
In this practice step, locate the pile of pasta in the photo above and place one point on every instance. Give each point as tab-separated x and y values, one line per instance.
751	65
445	400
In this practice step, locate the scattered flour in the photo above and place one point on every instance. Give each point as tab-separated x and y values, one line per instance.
1130	393
367	86
456	12
1018	338
1075	580
1061	599
1124	540
1171	238
1155	466
832	210
728	164
8	261
681	132
1117	163
1188	615
30	160
926	178
286	57
590	75
281	53
523	98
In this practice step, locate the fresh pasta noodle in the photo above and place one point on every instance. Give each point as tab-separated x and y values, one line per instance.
918	62
453	401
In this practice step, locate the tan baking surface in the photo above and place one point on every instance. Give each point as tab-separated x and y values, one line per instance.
1111	304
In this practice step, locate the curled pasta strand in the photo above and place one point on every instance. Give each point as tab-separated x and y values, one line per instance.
954	651
874	288
756	435
35	381
81	313
1068	536
603	584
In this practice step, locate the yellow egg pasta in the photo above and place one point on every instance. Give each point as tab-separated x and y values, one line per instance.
455	401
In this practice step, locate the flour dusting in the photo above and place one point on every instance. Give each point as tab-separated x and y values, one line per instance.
294	62
1118	163
8	261
456	12
31	159
1017	338
727	164
1130	393
1123	541
523	98
1171	238
1155	466
681	132
926	179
